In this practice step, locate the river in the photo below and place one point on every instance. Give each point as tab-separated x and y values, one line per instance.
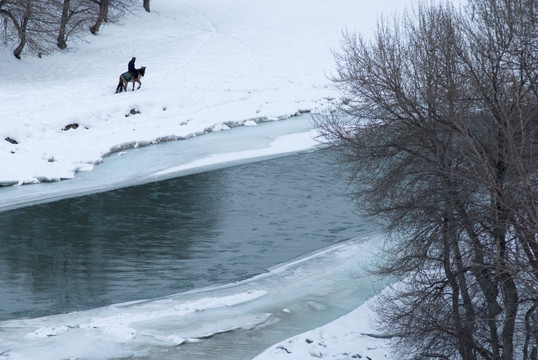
278	235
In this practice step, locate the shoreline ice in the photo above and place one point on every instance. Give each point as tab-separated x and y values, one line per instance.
145	328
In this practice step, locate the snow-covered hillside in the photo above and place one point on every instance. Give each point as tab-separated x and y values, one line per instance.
209	63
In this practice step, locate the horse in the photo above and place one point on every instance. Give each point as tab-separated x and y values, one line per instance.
127	77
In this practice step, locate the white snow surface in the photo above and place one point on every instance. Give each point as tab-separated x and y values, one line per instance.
348	337
211	65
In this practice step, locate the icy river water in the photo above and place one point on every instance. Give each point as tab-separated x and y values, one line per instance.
171	236
231	260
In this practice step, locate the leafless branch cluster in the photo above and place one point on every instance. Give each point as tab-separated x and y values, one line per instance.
438	125
40	26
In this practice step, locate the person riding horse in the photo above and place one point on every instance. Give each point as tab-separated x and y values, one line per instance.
128	77
131	68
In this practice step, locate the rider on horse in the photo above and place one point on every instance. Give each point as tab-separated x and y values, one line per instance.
132	75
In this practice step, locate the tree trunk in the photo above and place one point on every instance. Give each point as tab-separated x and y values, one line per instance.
22	31
63	23
103	16
462	308
146	5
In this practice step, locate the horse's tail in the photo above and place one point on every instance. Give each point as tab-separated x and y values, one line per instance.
119	88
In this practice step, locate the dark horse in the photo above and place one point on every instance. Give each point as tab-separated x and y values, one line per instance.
127	77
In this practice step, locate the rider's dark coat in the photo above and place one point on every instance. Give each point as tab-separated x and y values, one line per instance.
131	68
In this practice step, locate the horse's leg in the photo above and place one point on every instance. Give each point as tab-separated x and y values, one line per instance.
133	84
139	84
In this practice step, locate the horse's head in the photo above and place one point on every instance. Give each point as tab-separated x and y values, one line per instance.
142	70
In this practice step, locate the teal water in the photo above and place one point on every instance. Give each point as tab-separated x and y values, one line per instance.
171	236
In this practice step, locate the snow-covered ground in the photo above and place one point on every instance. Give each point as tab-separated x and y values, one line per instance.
348	337
211	65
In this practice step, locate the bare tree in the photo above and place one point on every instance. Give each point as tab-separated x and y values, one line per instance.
34	24
102	15
20	17
10	20
74	15
39	26
437	124
104	8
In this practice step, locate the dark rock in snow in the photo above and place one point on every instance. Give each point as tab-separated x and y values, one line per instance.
70	126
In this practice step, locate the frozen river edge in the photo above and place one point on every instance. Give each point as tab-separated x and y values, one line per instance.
56	334
173	159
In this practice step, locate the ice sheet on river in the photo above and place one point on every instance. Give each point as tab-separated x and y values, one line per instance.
295	296
172	159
